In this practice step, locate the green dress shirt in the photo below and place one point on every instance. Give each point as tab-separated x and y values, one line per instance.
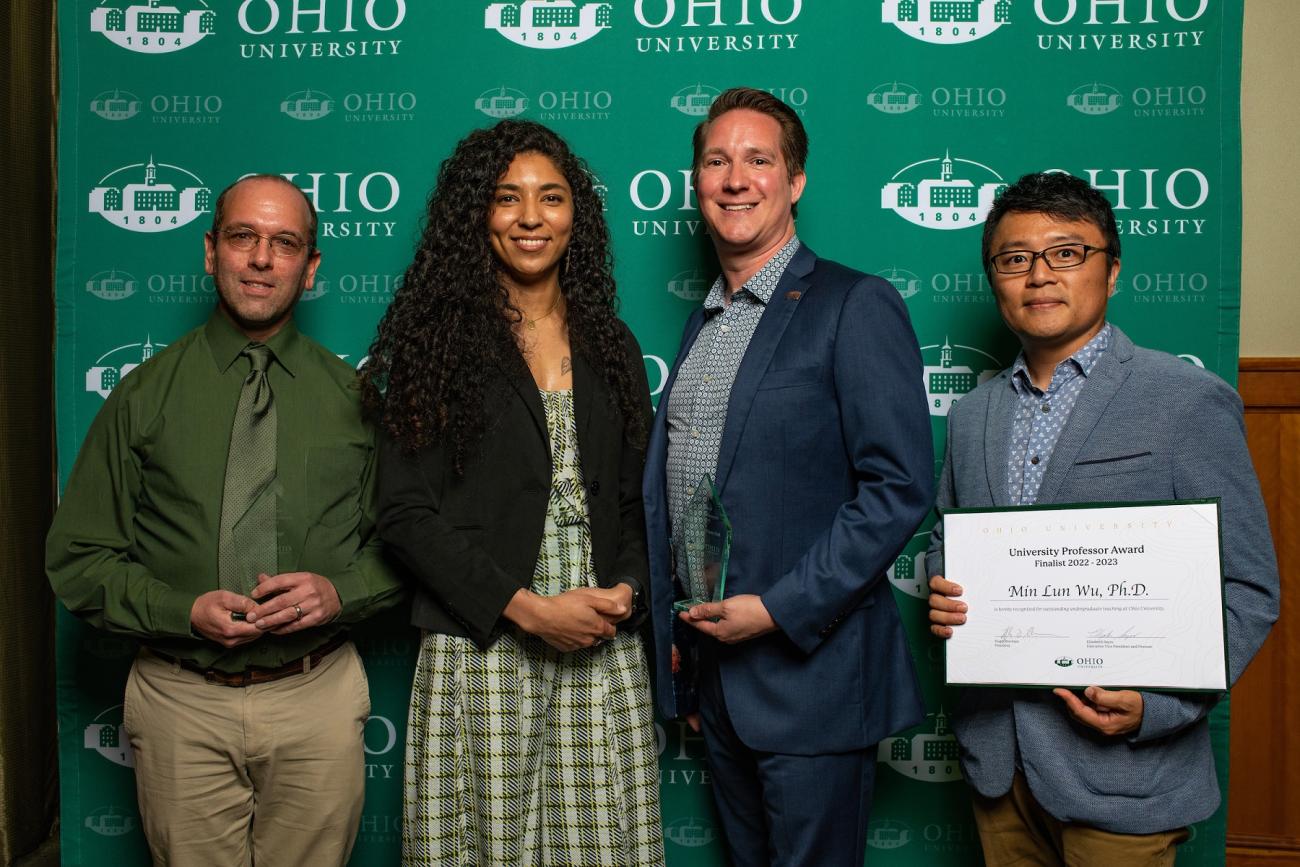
134	541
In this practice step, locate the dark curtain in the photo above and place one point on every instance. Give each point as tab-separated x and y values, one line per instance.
28	766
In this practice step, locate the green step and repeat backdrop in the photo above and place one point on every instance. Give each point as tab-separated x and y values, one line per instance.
918	111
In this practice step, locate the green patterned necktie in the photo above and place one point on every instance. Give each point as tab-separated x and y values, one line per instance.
247	544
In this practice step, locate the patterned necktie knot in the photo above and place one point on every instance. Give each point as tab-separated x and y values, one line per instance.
259	356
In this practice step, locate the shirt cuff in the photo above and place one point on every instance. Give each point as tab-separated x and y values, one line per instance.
171	614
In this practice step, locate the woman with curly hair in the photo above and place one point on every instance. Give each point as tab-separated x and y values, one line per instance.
513	408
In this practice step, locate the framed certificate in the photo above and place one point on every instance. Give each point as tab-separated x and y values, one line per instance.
1124	595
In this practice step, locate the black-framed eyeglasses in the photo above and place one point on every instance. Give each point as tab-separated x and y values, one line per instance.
1059	257
244	240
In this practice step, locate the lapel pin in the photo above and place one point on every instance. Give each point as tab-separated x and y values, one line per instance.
794	295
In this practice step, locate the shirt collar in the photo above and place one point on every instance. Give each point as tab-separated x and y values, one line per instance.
1084	359
762	284
227	342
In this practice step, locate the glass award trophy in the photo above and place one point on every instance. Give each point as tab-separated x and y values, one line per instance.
703	546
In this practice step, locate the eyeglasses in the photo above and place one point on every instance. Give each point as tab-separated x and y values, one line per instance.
244	240
1060	257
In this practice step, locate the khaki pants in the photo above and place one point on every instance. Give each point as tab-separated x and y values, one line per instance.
271	775
1016	830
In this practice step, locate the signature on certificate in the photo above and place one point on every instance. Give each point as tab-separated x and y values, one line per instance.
1127	633
1014	632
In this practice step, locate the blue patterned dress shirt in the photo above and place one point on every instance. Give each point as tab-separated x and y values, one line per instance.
697	406
1040	416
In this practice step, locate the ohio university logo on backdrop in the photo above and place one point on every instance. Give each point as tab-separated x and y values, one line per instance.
188	109
307	105
952	377
894	97
112	285
548	23
295	30
107	736
908	283
710	26
153	26
694	100
929	756
502	102
135	198
110	821
946	22
889	834
1156	100
1119	25
111	367
549	105
907	572
116	105
1094	98
690	832
942	193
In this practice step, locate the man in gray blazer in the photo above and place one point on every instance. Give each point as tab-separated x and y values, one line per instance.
1083	415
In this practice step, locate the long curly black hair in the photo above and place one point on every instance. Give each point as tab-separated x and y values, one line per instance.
451	318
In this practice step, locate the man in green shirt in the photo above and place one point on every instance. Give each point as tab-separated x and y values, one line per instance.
221	511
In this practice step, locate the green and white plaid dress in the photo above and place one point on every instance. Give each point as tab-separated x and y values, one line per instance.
522	754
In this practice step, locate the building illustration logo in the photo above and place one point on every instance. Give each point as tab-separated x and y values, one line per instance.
942	193
113	366
930	757
690	832
694	100
894	97
502	102
1065	662
1094	98
690	285
116	105
907	283
110	822
153	26
112	285
549	23
946	22
307	105
602	190
947	381
318	288
907	573
888	834
150	204
107	736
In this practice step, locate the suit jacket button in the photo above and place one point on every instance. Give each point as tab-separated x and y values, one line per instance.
594	488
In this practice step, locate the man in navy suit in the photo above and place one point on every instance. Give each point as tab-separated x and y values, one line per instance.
798	389
1083	415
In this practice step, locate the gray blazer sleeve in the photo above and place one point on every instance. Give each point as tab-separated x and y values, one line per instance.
1211	460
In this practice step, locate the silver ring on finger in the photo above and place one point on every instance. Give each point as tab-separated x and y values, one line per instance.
298	610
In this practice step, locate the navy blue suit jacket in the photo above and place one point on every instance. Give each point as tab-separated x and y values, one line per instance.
825	469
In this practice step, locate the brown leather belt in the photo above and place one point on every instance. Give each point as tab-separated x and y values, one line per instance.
255	674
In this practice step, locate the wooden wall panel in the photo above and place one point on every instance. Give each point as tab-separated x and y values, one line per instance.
1264	782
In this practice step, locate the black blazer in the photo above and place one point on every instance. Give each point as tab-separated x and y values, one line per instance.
470	542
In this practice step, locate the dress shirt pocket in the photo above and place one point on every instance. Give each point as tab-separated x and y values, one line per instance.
333	481
792	377
1110	465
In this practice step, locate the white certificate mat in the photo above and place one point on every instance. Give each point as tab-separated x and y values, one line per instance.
1114	595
